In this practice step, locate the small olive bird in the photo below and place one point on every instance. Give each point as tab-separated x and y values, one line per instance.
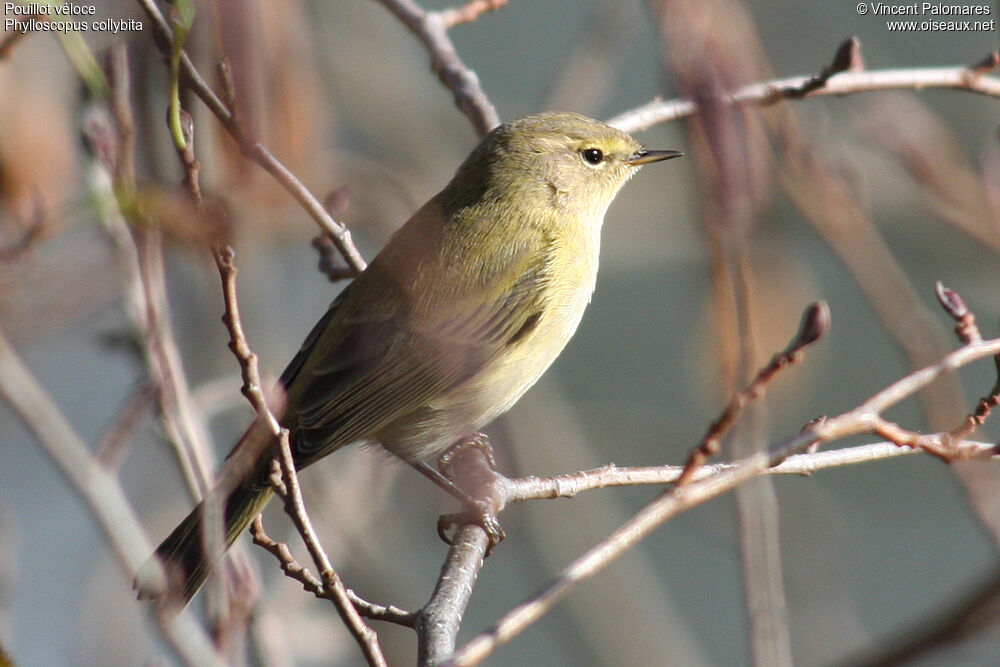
459	314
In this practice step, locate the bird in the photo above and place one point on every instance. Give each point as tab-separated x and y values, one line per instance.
459	314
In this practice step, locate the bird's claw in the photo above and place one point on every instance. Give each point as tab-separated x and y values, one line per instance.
482	515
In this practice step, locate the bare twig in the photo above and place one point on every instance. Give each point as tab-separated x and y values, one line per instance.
294	570
815	322
327	260
843	83
251	147
179	414
431	28
139	254
439	620
968	332
965	322
469	12
285	481
100	491
570	485
863	419
287	486
847	58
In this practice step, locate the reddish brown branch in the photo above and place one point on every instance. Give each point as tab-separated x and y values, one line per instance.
815	322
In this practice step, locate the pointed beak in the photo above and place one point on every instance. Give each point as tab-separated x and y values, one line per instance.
643	156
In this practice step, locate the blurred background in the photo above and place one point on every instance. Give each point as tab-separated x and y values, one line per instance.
707	263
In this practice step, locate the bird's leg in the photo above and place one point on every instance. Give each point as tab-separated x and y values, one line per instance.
479	441
480	510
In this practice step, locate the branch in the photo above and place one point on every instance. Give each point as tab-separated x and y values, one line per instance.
469	12
100	491
294	570
284	478
431	28
286	485
440	619
815	322
470	464
832	81
570	485
139	254
863	419
249	145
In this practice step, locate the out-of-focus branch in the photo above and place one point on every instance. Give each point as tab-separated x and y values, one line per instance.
469	12
928	150
98	488
713	48
431	28
139	252
252	148
972	614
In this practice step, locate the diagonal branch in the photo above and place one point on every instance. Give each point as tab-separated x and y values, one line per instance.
250	146
865	418
431	28
100	491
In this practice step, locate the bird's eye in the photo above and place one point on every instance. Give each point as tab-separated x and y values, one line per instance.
592	156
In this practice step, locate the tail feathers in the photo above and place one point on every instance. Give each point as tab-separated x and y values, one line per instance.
191	551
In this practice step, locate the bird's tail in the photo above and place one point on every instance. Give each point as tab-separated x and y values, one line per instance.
195	546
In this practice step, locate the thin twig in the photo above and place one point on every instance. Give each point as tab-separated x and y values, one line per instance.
572	484
968	332
296	509
843	83
431	28
862	419
294	570
253	148
815	322
469	12
139	254
286	482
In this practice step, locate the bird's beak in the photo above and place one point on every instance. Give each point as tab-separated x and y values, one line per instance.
643	156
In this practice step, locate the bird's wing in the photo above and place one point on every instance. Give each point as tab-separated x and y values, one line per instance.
378	354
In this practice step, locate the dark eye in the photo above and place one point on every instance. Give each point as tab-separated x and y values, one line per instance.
593	156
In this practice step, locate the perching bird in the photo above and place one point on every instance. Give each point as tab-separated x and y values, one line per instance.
459	314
